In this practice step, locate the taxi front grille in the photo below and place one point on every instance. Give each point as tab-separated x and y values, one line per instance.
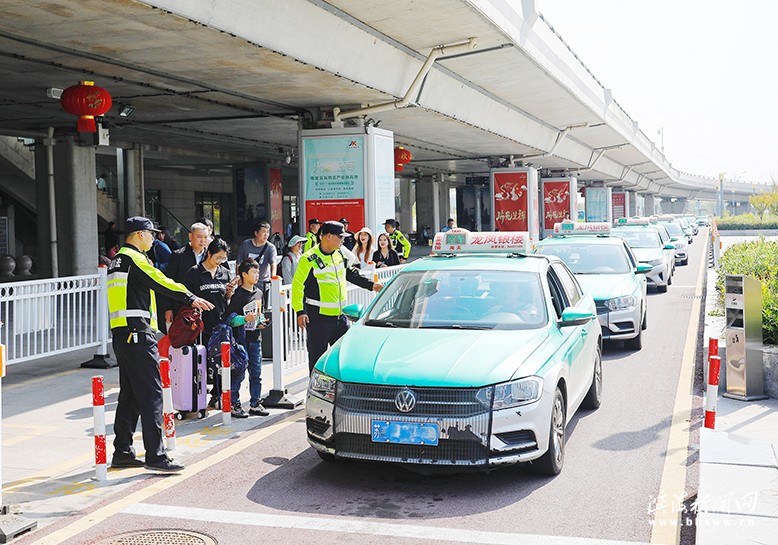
442	402
447	452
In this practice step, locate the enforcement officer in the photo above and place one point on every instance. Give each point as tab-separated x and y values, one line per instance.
319	290
401	244
349	241
312	236
132	281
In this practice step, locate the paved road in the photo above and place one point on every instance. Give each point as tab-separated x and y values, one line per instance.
268	486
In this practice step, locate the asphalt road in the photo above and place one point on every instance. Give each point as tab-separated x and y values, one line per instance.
268	486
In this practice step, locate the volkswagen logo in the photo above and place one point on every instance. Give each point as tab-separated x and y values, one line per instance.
405	400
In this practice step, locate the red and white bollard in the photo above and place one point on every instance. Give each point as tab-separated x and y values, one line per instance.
168	415
712	394
98	412
226	385
713	347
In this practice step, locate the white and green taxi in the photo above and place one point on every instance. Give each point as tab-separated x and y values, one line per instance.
476	356
607	269
650	248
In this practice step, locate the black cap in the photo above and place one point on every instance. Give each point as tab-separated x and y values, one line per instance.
312	221
343	220
139	223
391	222
332	228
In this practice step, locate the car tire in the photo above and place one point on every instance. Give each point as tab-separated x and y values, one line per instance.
685	261
636	342
552	461
327	457
593	397
662	289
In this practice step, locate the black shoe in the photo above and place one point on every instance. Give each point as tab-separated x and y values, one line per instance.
238	412
214	403
125	461
258	410
165	465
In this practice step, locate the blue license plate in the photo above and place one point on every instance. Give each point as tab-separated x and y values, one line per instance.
405	433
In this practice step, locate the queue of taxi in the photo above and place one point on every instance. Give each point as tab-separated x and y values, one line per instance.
479	355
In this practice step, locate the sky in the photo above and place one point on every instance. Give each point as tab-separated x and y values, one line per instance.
703	71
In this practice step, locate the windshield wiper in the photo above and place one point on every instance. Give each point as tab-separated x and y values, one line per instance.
456	326
380	323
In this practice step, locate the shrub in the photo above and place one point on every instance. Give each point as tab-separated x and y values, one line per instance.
746	222
759	259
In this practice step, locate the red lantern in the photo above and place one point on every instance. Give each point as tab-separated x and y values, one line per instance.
401	157
86	100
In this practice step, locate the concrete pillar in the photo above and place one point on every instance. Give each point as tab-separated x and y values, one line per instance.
425	199
478	207
677	207
406	205
134	185
632	203
650	205
76	209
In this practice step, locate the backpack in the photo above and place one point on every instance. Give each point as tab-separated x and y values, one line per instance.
239	358
186	327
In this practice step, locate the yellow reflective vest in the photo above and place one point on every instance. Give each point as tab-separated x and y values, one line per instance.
132	281
319	283
401	244
312	240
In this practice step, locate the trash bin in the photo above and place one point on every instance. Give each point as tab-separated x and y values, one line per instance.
743	333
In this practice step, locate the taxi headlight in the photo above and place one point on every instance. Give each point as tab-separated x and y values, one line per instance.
322	386
620	303
517	392
656	262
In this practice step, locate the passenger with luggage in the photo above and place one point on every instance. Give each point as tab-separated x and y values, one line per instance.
132	281
211	281
246	304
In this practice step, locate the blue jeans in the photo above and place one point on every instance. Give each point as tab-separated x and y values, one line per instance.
254	350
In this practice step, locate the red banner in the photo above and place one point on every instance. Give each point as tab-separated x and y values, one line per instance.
510	201
556	203
619	201
351	209
276	201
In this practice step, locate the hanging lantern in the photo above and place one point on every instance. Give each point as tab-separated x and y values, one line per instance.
86	100
401	157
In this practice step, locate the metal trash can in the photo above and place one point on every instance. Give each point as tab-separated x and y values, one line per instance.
743	332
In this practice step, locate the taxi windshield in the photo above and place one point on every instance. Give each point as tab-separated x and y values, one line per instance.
638	238
460	299
673	229
591	258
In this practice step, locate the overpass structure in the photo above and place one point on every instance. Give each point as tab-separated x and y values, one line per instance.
464	85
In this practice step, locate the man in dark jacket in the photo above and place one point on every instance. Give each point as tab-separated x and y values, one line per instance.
182	260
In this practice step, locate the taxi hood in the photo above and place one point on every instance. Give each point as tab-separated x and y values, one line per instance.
431	357
606	286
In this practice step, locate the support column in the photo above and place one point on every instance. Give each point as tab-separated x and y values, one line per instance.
134	184
650	205
425	202
632	203
478	207
445	203
405	212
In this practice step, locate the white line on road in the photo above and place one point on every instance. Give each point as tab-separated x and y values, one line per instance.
347	526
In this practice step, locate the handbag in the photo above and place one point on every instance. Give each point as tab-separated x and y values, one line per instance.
186	327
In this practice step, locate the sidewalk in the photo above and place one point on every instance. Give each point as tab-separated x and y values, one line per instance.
737	500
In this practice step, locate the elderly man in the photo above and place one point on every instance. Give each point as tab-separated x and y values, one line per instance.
184	259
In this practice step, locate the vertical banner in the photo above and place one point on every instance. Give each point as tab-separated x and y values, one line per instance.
515	200
559	201
598	204
276	201
619	201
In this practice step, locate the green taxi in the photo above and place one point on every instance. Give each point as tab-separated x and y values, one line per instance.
476	356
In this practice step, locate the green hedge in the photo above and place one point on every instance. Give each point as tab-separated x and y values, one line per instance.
759	259
746	222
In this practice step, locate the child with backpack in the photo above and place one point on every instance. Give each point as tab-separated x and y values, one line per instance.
246	304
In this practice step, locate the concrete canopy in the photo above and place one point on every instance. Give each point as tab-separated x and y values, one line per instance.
233	79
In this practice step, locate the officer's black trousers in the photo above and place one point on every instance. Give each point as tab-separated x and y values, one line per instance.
140	394
322	332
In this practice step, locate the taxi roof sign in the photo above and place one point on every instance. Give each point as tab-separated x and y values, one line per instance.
631	221
568	228
462	241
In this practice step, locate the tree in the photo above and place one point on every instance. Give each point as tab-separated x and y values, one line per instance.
762	202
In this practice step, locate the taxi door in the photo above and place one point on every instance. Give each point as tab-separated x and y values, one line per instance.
580	341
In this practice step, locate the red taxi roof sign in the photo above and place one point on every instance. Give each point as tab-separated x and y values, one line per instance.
567	228
462	241
631	221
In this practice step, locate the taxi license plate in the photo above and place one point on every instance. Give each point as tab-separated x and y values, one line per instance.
405	433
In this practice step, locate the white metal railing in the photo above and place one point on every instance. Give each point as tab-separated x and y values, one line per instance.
54	316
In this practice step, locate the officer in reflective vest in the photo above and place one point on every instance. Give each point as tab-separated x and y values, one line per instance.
319	290
312	236
132	281
401	244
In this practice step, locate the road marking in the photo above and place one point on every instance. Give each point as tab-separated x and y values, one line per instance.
666	526
368	527
99	515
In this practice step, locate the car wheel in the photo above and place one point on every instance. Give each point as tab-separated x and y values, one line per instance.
685	261
662	289
594	395
551	462
327	457
635	343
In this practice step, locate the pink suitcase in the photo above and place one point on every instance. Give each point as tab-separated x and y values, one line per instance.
188	378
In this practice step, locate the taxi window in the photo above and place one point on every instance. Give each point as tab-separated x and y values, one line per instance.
590	258
663	236
569	284
460	299
633	262
673	229
639	238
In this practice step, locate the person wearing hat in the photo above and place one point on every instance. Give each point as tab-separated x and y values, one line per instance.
319	291
349	241
312	235
132	282
291	258
401	244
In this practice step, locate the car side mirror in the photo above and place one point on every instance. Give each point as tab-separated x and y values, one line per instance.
673	239
669	246
642	268
575	316
353	312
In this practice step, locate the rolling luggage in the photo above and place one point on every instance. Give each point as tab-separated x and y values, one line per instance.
188	380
